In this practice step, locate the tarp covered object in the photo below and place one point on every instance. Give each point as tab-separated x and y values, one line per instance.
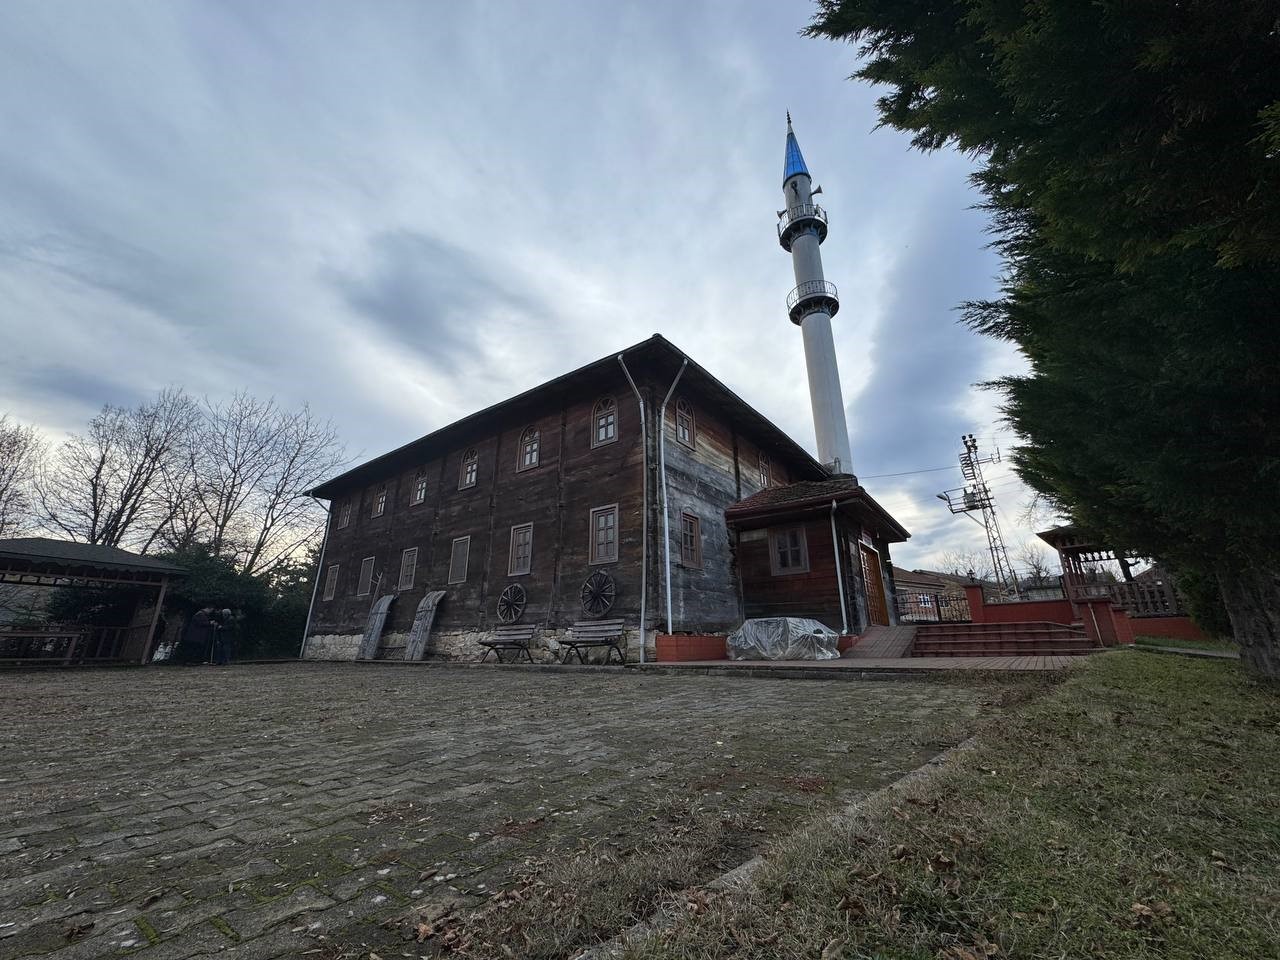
783	638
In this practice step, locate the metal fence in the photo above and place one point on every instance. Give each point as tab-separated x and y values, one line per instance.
933	608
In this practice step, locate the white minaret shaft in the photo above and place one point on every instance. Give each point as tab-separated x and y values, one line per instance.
801	229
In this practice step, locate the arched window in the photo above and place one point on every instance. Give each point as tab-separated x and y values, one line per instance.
766	470
529	442
604	422
467	472
684	422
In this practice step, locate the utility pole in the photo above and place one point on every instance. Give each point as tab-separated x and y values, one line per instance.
976	497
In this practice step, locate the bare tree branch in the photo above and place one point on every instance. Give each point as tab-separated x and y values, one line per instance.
21	450
101	486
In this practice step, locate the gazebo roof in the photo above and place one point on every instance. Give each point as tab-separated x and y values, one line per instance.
49	557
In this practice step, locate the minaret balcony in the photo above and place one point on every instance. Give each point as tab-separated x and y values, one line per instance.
799	219
813	296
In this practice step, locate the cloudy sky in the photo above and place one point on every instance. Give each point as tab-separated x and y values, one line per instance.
401	212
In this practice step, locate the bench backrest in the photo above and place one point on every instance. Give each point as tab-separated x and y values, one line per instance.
515	632
596	630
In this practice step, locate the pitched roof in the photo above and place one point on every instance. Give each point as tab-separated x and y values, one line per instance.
69	553
805	494
657	348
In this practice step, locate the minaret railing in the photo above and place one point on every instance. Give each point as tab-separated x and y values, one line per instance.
810	296
801	217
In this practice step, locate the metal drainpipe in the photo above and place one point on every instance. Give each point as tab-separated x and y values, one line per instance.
835	547
662	473
315	589
644	510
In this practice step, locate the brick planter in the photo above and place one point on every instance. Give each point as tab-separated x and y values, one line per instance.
678	647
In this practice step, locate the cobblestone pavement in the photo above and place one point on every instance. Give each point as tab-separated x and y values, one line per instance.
264	811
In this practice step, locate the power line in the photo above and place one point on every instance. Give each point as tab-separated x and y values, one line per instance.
906	473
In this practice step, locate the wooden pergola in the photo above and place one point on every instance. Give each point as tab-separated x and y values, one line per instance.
43	563
1078	551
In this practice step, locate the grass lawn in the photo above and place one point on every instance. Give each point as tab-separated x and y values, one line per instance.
1217	646
1133	811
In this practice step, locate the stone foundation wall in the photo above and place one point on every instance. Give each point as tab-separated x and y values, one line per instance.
465	645
333	646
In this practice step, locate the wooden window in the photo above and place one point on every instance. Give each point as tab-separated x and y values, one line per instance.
365	583
521	558
685	430
529	443
459	554
604	534
789	553
408	568
690	540
344	515
379	502
766	470
467	473
604	422
331	581
420	489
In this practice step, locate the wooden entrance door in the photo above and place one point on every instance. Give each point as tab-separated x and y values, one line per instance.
876	611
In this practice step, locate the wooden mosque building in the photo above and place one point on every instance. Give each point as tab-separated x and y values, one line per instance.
636	495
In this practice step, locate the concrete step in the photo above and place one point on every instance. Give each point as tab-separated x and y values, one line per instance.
1007	649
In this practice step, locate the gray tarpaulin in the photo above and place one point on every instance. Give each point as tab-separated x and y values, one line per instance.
783	638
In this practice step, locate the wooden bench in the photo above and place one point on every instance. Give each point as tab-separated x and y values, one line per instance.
594	633
510	636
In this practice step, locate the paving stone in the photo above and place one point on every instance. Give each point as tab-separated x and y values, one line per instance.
229	813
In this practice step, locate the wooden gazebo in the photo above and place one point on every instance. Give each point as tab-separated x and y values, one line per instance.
34	563
1078	551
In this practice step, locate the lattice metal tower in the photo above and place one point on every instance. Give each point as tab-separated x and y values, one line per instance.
976	497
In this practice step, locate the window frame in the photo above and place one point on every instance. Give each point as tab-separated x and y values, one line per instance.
470	458
419	490
512	570
401	586
530	434
379	504
367	582
766	471
593	557
684	410
775	568
597	412
344	515
466	562
696	561
330	581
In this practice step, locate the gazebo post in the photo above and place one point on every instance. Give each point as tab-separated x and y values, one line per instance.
155	620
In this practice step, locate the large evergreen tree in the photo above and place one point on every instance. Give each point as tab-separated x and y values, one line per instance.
1131	162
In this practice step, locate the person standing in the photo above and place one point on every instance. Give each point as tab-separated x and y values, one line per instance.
222	638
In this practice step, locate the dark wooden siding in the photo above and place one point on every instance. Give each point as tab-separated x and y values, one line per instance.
813	594
720	469
556	496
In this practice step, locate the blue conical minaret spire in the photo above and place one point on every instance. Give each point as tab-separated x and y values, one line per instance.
802	227
794	162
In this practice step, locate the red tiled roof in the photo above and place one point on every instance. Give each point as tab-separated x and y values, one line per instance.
811	493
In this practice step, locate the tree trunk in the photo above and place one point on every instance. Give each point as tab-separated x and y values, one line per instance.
1252	599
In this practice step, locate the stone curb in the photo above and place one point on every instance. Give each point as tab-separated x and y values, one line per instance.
743	874
1188	652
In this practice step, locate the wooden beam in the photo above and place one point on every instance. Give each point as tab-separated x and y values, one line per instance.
155	619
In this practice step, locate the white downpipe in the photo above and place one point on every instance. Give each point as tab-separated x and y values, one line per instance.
835	547
644	510
315	589
662	474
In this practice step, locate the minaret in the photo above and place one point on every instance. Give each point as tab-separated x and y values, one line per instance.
801	229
